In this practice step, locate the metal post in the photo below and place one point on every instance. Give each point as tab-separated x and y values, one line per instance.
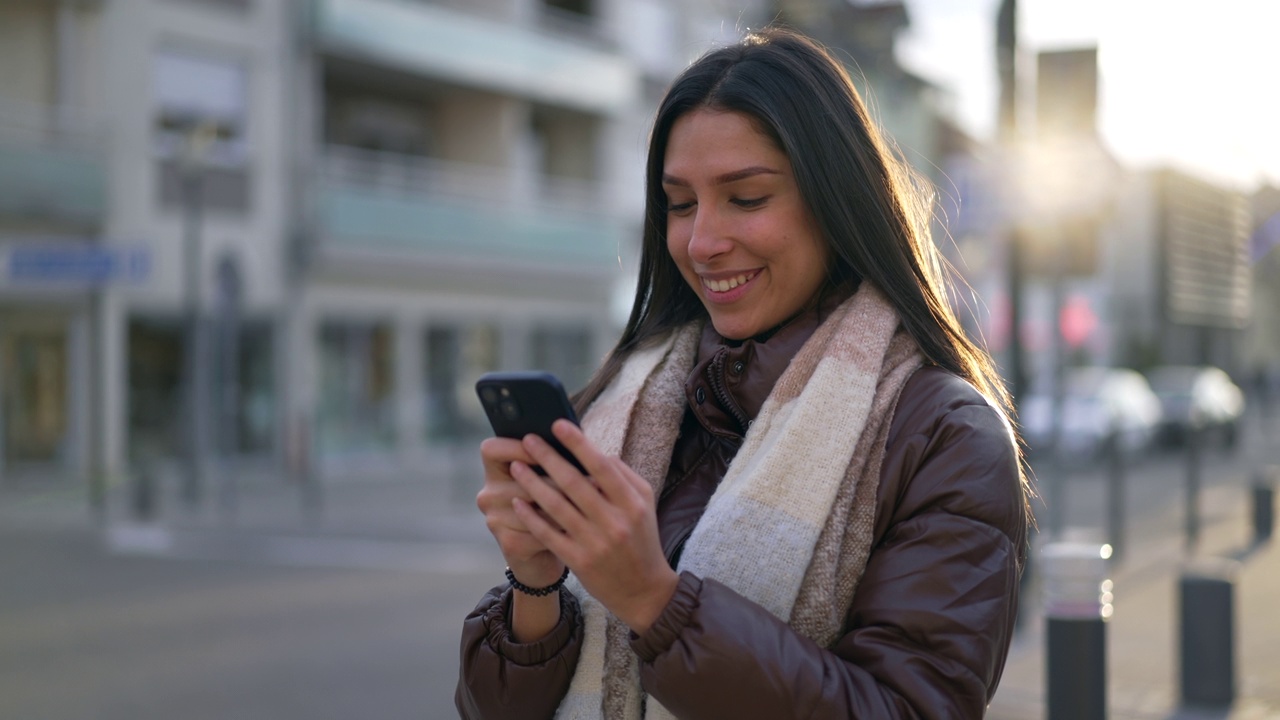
1058	476
95	402
227	395
1115	495
1264	504
1207	637
196	408
1195	441
199	138
1077	606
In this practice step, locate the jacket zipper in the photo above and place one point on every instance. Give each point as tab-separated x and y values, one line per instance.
722	392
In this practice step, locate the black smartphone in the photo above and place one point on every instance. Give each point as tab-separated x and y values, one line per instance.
520	403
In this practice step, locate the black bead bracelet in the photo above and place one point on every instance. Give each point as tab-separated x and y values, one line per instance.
537	592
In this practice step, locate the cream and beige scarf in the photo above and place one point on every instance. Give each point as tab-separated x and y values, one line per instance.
790	525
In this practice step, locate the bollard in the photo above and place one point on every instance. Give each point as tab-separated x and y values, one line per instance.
1078	599
1207	637
1264	504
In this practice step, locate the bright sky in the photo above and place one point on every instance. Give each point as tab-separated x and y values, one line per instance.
1189	84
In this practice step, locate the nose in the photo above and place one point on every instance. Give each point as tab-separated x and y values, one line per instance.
710	236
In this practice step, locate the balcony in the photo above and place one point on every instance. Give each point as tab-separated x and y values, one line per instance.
53	171
391	206
511	58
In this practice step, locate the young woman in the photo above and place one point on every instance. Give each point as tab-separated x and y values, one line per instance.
803	496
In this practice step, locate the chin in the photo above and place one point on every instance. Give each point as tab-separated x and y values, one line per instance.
730	330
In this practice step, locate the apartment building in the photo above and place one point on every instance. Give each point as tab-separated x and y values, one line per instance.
142	182
350	208
470	199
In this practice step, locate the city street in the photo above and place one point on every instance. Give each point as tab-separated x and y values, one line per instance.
187	619
86	633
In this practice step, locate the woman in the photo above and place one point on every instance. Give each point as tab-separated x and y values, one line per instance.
803	495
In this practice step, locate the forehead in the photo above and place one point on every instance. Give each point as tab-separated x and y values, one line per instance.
704	138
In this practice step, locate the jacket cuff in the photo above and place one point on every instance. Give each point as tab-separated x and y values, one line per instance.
671	623
496	621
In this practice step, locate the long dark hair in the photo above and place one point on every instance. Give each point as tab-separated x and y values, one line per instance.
871	210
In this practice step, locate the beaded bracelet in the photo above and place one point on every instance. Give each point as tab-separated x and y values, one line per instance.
536	592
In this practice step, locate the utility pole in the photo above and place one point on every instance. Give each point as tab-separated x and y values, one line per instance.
196	349
1007	127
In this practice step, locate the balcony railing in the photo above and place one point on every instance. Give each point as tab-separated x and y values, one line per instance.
52	166
378	202
547	58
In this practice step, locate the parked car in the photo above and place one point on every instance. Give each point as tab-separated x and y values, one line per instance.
1197	398
1098	403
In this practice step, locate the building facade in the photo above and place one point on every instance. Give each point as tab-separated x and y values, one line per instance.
293	233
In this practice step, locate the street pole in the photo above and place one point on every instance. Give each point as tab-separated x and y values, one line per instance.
1195	459
1116	494
198	140
1007	126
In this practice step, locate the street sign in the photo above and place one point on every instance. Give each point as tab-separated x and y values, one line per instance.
66	263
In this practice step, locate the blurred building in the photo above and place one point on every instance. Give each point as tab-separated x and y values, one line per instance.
470	196
1179	280
1262	336
361	204
141	167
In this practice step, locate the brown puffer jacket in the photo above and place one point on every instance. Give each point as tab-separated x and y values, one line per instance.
929	627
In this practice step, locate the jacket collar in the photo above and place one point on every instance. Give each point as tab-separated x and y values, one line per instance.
731	379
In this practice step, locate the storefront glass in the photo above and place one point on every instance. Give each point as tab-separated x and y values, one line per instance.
33	395
356	412
456	357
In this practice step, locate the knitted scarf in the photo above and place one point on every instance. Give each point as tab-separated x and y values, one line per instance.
790	525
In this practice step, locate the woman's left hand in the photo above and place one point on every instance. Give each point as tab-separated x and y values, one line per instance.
610	526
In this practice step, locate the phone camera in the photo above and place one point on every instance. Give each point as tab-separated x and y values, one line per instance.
509	409
489	395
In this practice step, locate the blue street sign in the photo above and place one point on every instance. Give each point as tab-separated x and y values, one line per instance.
80	264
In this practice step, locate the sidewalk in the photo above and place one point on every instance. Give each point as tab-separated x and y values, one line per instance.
407	522
1142	635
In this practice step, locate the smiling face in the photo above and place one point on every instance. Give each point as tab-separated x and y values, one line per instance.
737	226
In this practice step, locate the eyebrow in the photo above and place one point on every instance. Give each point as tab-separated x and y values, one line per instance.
724	179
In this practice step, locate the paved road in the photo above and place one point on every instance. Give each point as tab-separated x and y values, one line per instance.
87	633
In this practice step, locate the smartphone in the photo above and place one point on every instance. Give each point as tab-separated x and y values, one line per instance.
520	403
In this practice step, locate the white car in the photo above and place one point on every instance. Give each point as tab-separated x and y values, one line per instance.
1199	397
1098	403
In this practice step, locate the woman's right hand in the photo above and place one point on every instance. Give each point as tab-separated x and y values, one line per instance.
530	561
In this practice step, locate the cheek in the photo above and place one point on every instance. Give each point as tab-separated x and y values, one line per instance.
677	243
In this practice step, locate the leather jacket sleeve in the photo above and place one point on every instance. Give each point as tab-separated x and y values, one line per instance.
931	622
502	678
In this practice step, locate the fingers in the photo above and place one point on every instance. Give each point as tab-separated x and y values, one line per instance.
550	504
615	479
496	453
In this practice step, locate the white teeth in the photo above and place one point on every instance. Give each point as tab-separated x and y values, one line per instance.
727	285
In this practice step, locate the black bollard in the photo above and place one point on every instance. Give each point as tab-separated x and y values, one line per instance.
1077	606
1207	637
1264	504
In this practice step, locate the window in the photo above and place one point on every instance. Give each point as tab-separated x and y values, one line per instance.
566	353
356	412
456	357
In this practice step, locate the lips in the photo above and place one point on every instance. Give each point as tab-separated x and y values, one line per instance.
724	285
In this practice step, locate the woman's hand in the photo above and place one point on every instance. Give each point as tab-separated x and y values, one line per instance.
604	527
529	559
